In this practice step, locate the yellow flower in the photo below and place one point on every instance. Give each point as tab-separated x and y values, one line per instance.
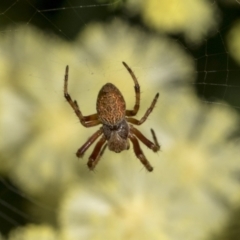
34	232
192	18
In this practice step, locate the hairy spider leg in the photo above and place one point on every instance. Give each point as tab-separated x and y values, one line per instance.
155	139
149	110
139	153
96	154
88	143
137	92
154	146
87	121
98	157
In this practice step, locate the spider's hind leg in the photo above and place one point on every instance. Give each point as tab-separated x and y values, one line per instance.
137	92
86	121
144	118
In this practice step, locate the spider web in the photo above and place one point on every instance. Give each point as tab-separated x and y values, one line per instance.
217	71
217	74
217	80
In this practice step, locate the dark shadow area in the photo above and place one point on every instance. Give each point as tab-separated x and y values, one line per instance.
12	207
232	229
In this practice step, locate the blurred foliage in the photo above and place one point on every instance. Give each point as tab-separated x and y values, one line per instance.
195	182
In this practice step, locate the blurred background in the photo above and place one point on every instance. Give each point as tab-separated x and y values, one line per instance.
188	51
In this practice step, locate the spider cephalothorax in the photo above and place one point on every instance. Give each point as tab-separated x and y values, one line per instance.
117	136
116	130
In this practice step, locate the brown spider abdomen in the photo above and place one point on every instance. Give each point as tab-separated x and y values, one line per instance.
110	105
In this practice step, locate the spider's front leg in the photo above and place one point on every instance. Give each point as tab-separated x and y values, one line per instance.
154	146
139	153
88	143
96	154
86	121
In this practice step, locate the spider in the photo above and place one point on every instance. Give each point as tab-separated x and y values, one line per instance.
117	128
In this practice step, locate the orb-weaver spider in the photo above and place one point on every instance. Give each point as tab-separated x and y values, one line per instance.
117	128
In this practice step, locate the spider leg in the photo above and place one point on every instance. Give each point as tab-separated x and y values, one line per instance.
98	158
149	110
154	146
137	92
88	121
96	154
88	118
155	139
139	153
88	143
